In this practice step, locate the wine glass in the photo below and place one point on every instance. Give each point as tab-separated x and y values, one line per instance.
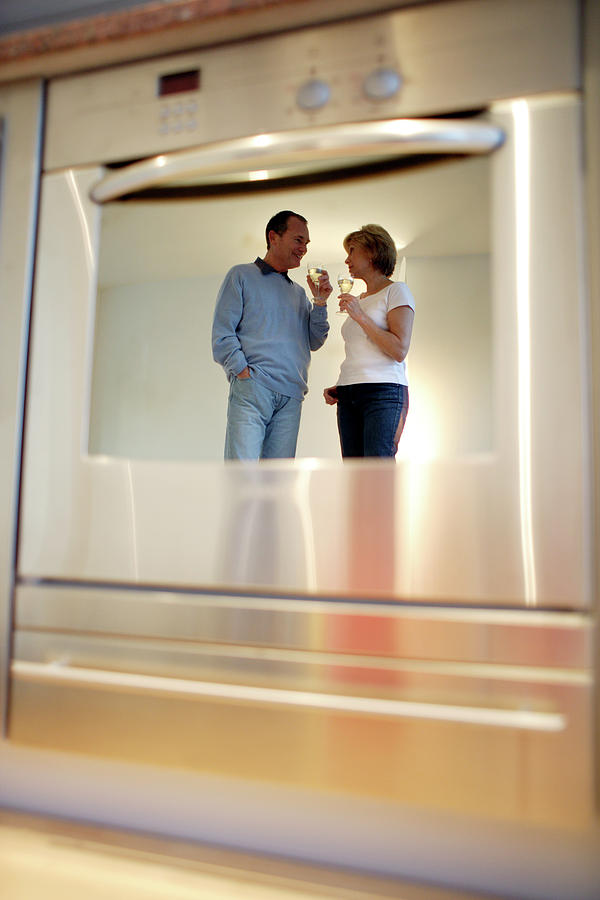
315	270
345	282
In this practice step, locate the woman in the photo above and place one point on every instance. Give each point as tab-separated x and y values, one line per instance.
372	391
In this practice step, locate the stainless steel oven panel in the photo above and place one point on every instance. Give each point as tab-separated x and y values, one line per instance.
508	527
328	745
319	76
226	671
20	145
260	627
427	708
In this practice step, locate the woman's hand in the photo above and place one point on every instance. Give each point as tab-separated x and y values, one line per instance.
350	304
330	395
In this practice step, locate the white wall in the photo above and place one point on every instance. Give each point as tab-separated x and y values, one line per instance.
158	394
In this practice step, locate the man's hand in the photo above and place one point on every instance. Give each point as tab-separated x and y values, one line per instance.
321	291
245	373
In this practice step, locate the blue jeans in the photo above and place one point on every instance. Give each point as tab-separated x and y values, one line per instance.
371	418
261	424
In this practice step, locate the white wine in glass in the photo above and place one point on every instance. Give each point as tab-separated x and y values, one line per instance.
315	270
345	283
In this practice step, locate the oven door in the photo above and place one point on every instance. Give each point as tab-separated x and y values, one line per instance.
487	504
465	711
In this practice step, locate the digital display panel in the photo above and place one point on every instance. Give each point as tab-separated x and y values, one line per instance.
178	82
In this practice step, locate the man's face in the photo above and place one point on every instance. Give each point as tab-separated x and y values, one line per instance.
287	249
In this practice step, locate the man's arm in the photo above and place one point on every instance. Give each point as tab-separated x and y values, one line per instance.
226	347
318	327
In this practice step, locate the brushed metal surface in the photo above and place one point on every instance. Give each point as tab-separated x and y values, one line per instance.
591	54
257	696
515	48
475	528
462	710
434	762
516	779
295	152
20	143
385	632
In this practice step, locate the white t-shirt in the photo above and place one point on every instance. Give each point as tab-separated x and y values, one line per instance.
364	361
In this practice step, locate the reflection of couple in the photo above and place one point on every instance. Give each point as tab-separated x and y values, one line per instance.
265	328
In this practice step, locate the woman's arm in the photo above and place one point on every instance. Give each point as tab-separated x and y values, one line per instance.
396	341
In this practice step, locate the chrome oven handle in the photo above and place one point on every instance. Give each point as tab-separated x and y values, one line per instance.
61	673
263	156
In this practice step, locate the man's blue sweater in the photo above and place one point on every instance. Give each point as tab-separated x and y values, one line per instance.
265	321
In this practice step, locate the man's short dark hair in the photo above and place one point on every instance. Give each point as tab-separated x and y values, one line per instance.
279	223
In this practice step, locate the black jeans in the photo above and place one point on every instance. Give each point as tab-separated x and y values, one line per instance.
371	418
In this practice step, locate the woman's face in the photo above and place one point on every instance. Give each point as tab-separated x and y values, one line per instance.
358	261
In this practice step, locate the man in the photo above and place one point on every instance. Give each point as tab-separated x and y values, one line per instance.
264	329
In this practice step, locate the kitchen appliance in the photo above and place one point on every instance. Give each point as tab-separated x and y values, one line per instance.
415	633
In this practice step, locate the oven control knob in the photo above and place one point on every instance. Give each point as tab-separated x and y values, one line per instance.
382	84
313	94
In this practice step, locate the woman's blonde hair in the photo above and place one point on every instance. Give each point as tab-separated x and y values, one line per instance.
378	244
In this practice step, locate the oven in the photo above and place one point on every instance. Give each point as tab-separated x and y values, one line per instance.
415	632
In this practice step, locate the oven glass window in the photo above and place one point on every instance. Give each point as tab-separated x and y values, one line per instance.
156	392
